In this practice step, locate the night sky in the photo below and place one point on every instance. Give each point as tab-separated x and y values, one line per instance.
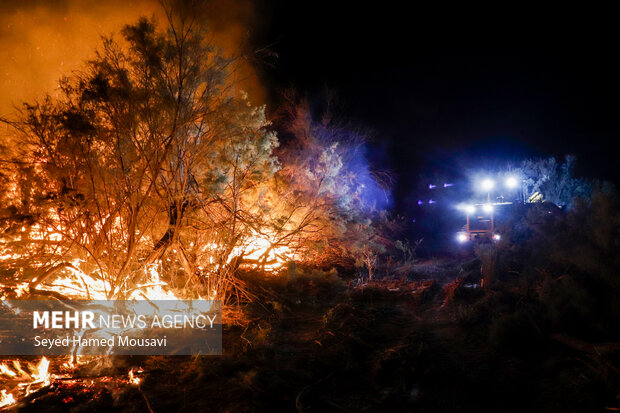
443	92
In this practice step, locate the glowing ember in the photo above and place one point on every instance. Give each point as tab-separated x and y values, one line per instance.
133	379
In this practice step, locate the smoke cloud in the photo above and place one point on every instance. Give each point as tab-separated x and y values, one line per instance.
40	40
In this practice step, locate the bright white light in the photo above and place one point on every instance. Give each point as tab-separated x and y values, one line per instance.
497	237
487	184
461	237
467	208
511	182
488	208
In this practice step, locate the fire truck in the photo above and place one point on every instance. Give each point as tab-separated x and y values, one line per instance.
481	222
482	218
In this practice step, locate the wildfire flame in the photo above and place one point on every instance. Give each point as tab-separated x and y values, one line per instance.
29	382
133	379
6	399
75	283
260	249
41	374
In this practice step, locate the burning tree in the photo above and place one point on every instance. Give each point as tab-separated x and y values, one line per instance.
150	161
149	157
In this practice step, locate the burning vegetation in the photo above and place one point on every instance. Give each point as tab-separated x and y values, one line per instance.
151	163
152	177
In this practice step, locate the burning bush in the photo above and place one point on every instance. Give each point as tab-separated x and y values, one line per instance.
148	159
149	167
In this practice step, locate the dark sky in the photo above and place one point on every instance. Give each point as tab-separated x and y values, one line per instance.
444	89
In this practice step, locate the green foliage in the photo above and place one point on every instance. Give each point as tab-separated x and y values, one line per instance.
555	180
323	171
